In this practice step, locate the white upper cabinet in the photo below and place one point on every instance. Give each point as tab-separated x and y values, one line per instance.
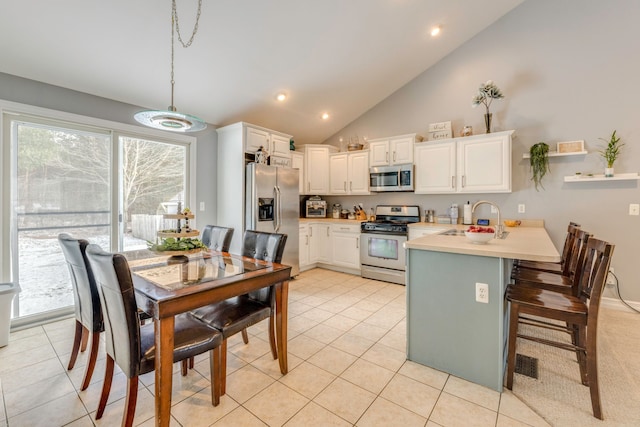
349	173
473	164
316	168
397	150
275	144
297	162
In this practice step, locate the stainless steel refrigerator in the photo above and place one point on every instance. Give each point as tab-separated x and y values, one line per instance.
273	205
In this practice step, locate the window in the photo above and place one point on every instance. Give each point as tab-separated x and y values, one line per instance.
107	184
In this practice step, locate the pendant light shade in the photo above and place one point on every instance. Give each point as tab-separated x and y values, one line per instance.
170	119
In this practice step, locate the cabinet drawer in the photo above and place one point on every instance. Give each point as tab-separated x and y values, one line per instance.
346	228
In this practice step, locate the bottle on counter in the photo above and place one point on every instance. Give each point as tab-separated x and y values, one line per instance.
454	213
467	217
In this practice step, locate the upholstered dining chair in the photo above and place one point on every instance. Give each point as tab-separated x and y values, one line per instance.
579	314
132	346
217	238
234	315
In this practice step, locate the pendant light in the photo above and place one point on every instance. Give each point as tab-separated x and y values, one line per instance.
170	119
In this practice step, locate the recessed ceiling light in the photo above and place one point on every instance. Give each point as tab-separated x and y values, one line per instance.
325	116
281	97
435	31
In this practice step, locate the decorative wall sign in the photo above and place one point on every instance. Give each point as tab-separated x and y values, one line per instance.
440	130
570	146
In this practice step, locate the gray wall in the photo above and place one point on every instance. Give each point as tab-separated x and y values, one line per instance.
569	71
17	89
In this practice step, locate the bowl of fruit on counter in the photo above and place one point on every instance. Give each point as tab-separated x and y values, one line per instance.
479	235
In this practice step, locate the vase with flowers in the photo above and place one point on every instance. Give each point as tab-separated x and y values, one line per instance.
611	153
487	92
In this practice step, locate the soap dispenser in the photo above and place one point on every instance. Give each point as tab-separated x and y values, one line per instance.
467	218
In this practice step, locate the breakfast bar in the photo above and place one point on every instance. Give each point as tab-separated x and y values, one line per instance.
456	312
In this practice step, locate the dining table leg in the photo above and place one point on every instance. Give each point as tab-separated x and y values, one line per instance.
282	307
164	330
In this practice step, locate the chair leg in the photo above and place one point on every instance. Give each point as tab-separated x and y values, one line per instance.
214	367
272	337
581	341
223	367
76	345
513	336
85	339
592	373
185	366
106	387
91	363
245	336
191	359
132	399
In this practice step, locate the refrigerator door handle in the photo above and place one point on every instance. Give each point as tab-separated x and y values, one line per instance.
277	209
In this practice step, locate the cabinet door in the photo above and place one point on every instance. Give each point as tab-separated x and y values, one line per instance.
256	138
401	151
379	153
485	165
303	246
358	168
435	167
320	243
280	146
316	163
297	162
346	249
338	174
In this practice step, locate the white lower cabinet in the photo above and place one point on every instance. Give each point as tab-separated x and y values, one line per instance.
303	245
320	243
346	245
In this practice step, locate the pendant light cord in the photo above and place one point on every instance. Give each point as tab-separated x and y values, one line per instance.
175	28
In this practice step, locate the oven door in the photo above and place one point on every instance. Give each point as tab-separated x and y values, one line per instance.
383	250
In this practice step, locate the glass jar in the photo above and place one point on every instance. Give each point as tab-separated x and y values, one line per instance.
336	210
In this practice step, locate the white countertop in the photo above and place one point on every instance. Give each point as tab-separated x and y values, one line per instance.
527	243
332	220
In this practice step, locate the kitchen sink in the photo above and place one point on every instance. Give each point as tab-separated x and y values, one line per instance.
455	232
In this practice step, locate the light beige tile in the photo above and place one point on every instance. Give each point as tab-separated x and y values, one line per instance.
91	396
25	333
332	360
424	374
385	413
352	344
514	408
370	332
386	357
85	421
23	359
313	300
338	305
20	378
323	333
317	314
341	322
368	375
252	351
276	404
27	343
316	415
298	307
246	382
368	304
454	411
38	394
304	347
411	394
151	422
145	409
346	400
307	379
301	324
472	392
356	313
271	366
395	340
239	417
504	421
197	410
184	387
57	412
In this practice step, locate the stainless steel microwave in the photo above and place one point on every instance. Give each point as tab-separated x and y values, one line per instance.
391	178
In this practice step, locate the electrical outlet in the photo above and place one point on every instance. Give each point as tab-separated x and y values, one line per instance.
634	209
611	280
201	206
482	293
494	209
521	208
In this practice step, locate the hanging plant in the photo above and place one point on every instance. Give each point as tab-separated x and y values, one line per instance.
539	161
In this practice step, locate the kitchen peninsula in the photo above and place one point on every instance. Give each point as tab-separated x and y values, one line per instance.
447	329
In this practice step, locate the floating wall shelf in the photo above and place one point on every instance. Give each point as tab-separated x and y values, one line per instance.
556	154
616	177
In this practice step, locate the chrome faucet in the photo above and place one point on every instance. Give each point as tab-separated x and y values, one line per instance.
499	226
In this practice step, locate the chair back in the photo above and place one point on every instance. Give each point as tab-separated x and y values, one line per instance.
217	238
266	247
578	251
85	291
568	247
594	271
120	311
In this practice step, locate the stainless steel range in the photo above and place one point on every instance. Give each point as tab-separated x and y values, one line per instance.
382	253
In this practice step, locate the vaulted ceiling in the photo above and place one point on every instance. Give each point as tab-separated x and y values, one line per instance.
336	56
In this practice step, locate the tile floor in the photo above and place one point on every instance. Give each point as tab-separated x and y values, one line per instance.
346	367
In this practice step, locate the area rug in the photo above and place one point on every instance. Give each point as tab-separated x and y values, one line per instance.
559	396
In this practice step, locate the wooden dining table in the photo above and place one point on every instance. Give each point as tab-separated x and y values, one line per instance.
166	286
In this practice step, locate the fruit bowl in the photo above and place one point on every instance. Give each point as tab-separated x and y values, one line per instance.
479	235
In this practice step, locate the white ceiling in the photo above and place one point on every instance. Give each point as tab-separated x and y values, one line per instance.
338	56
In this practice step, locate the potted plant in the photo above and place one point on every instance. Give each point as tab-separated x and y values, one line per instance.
486	94
611	153
539	161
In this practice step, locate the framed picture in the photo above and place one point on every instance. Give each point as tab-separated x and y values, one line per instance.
570	146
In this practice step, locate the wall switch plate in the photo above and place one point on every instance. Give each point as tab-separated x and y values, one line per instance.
482	293
521	208
634	209
201	206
